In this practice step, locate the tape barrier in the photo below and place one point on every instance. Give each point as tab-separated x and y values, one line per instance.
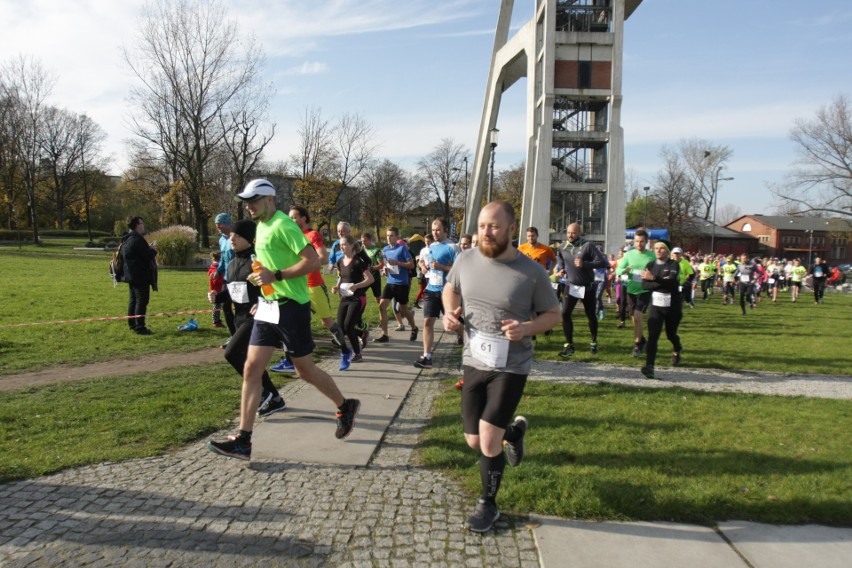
84	320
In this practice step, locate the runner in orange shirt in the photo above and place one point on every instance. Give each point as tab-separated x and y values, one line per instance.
537	251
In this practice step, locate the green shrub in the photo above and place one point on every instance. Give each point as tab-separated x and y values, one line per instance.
175	245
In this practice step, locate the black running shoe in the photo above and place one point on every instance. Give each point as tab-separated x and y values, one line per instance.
483	518
567	350
675	359
593	347
271	406
423	363
382	339
235	448
648	371
413	336
346	418
515	450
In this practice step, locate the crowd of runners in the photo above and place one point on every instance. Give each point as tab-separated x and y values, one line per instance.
497	297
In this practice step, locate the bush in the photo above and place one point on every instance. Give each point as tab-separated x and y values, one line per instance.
175	245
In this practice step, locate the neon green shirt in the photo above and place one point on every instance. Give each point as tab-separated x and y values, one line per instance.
278	243
728	271
685	270
375	255
633	263
798	273
707	270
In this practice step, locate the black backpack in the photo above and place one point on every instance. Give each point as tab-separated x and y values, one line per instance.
116	266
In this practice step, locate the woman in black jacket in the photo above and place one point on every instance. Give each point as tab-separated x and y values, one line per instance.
244	296
140	273
661	276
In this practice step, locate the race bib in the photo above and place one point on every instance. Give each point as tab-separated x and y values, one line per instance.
599	277
771	281
346	290
661	300
267	311
625	278
491	350
637	275
392	268
727	279
744	278
577	291
436	278
238	292
555	285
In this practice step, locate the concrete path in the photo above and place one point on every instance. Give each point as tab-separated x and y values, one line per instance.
310	500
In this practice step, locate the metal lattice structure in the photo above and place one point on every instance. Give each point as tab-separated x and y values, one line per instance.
571	54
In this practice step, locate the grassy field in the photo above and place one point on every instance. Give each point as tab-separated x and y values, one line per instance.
595	451
784	337
614	452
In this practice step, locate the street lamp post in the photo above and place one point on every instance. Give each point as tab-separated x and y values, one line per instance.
492	137
646	189
810	245
715	192
464	208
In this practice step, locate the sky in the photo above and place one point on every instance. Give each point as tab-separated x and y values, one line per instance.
730	72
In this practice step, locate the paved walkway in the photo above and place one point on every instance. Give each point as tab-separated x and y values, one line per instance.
194	508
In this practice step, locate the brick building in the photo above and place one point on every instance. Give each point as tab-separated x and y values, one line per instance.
802	237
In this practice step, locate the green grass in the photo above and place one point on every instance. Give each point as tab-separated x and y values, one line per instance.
785	337
54	427
614	452
48	288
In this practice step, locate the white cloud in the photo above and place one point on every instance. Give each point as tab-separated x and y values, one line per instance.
307	68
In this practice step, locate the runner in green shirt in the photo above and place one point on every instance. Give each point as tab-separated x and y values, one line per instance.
796	277
707	275
633	265
283	316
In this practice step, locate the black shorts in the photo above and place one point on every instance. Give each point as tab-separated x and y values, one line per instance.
396	292
433	304
730	288
492	396
638	302
293	330
376	286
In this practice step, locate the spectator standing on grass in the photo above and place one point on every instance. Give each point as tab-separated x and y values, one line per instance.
140	273
497	289
283	316
244	296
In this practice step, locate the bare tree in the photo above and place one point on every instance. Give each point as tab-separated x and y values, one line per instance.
822	181
191	71
27	85
10	173
316	145
90	136
437	171
61	159
245	135
388	192
673	198
354	149
728	213
702	164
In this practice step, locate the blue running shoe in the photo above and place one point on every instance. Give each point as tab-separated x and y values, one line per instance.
345	360
284	366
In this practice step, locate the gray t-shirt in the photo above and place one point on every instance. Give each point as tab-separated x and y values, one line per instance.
495	290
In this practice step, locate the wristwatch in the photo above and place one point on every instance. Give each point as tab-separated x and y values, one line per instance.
278	276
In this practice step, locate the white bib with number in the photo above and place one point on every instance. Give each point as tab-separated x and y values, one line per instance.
772	281
436	278
346	290
555	285
577	291
637	276
491	350
661	300
238	292
267	311
744	278
392	268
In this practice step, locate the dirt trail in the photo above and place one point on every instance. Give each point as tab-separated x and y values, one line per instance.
144	364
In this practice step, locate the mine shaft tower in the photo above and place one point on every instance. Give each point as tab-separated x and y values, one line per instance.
571	52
